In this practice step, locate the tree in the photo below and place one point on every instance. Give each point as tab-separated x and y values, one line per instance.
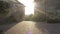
11	11
29	17
48	10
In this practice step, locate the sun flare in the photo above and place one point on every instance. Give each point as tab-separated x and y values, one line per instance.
29	6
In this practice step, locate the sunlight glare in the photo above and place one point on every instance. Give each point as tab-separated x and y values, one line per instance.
29	6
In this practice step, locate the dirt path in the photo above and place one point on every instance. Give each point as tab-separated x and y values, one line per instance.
29	27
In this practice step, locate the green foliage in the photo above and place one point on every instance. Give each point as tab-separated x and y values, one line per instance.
11	12
28	17
42	18
3	7
39	17
51	9
56	20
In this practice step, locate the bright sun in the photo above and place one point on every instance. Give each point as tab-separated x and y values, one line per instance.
29	6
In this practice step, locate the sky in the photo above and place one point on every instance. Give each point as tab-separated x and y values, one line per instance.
29	6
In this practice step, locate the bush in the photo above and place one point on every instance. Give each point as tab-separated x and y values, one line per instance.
28	17
56	20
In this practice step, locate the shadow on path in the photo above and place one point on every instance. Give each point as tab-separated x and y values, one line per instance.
48	28
6	27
